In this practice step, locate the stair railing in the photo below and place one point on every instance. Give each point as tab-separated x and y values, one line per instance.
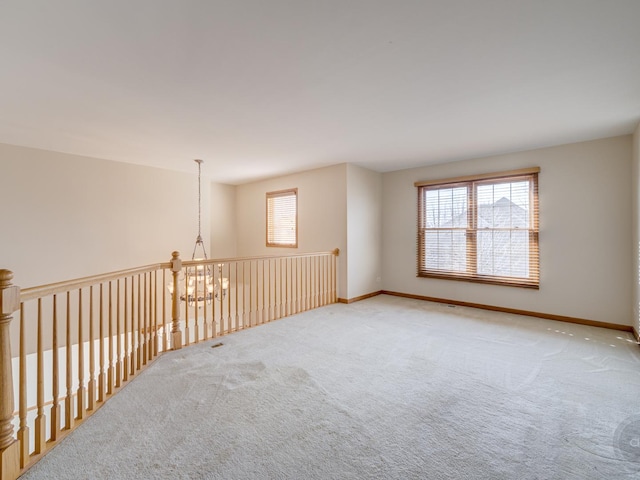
80	341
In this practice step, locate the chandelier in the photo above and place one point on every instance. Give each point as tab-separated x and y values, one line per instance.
200	285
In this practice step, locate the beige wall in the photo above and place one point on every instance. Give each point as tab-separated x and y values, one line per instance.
223	221
322	215
635	245
364	231
585	233
66	216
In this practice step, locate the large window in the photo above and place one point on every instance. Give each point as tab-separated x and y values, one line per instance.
482	228
282	218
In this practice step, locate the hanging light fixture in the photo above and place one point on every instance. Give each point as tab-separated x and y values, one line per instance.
199	281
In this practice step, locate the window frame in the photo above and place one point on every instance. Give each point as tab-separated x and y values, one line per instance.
279	194
470	273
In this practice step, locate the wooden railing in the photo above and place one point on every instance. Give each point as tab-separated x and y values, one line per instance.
80	341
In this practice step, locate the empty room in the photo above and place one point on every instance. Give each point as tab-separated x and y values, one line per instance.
320	239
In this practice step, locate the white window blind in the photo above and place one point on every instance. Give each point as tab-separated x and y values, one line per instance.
482	228
282	218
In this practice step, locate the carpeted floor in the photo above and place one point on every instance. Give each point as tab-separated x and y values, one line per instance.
385	388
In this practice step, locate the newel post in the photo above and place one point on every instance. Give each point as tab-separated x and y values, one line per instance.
9	447
176	334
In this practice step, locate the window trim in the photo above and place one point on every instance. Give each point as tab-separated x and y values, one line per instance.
275	194
471	275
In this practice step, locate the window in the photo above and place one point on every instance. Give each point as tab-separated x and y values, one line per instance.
282	218
482	228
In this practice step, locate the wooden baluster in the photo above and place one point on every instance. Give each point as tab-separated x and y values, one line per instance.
228	290
223	329
164	311
23	431
292	288
176	334
118	371
81	392
326	279
205	326
235	287
285	293
140	327
9	446
154	294
321	278
296	293
68	400
145	330
277	264
268	298
187	332
329	275
283	287
149	301
294	285
263	312
311	283
251	289
214	322
101	379
269	311
296	304
288	284
336	271
132	353
55	374
40	437
224	294
126	329
242	301
309	291
110	370
320	272
91	401
319	284
301	284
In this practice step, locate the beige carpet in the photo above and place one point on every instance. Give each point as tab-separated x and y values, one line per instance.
383	388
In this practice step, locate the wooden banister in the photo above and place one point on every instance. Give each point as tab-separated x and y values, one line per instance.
90	336
32	293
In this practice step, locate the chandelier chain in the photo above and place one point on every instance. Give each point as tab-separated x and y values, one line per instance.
199	240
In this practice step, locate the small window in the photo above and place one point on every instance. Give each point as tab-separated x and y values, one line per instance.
282	218
482	228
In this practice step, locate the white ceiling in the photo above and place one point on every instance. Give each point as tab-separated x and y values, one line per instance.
259	88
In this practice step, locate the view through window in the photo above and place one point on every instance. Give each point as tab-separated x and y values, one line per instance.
482	228
282	218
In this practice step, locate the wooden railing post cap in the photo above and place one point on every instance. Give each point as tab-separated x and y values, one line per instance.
336	252
9	294
176	263
5	277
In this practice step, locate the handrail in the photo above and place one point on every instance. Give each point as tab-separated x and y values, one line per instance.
212	261
32	293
